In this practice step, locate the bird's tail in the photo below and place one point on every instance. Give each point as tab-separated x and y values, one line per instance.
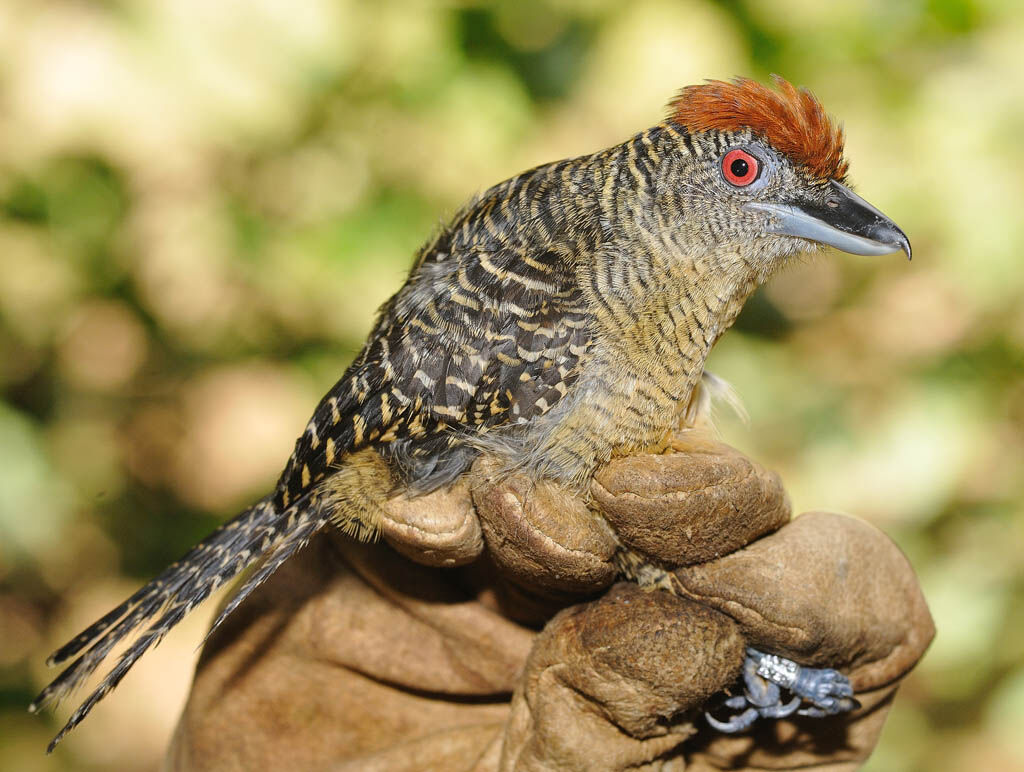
259	532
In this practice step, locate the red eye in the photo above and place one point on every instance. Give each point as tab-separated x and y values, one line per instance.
740	167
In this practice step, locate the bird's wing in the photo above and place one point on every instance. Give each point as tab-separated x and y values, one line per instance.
473	341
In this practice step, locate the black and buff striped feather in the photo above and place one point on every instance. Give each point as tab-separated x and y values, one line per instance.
185	584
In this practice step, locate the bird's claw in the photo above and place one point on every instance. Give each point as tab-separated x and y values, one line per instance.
765	676
828	691
737	723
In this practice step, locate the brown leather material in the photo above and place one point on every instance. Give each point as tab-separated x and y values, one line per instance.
352	657
609	683
842	595
685	508
438	529
544	538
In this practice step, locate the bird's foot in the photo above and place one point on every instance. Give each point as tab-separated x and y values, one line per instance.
826	692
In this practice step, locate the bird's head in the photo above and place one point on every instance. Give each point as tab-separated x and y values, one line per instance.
764	173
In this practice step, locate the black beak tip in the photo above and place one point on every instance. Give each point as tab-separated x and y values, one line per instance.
889	233
904	244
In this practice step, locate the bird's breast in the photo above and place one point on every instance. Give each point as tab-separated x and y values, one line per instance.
647	358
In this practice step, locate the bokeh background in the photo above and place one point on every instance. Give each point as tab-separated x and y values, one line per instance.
203	203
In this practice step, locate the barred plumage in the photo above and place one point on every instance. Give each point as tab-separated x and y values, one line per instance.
172	595
560	318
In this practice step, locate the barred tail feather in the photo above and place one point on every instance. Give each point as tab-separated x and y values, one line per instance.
179	589
288	535
169	582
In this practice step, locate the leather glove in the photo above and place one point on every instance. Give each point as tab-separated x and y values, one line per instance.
501	646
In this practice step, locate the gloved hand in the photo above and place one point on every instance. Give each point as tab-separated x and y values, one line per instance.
352	657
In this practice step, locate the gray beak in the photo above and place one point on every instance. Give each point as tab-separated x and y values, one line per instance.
846	221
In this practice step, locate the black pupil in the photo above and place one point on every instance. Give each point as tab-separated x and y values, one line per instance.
739	168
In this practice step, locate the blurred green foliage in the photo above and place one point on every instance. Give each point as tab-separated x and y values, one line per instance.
202	204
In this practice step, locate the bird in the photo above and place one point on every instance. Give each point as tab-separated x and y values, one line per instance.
560	318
